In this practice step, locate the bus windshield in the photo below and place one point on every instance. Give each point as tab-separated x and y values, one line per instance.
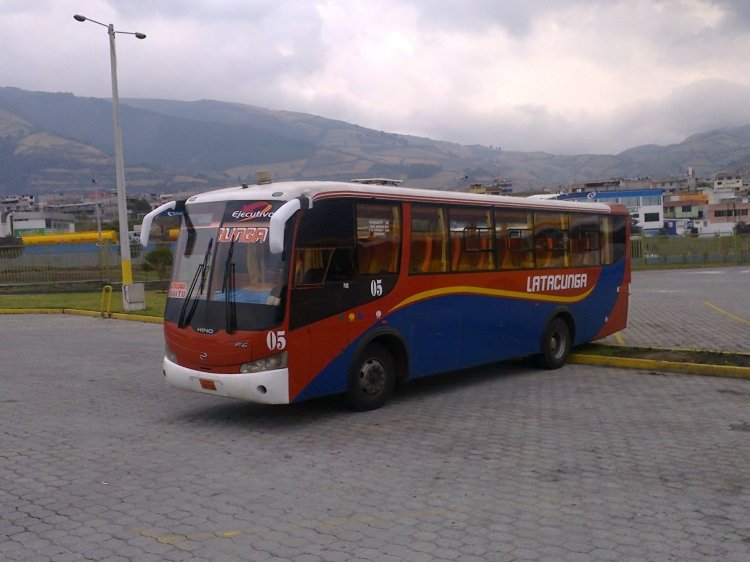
223	261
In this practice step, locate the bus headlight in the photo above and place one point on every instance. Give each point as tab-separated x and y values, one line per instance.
278	361
169	354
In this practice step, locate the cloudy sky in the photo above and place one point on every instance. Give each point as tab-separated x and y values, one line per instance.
561	76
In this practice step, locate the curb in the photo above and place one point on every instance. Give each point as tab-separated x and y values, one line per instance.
668	366
79	312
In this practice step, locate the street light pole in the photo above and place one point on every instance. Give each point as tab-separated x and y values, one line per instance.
122	208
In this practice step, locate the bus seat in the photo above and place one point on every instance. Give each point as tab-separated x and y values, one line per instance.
364	257
588	254
438	263
455	253
577	252
427	242
313	276
392	255
544	257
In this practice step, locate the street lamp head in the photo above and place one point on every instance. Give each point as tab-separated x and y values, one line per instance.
79	17
140	35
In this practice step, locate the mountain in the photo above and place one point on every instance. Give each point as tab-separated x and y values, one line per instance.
52	142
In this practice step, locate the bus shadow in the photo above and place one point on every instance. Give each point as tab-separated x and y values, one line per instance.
323	410
462	379
263	416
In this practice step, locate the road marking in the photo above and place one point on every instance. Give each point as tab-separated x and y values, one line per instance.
725	313
619	338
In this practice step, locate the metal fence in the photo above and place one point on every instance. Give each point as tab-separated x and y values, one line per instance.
69	266
655	251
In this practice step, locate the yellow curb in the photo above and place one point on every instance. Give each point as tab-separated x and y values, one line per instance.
79	312
32	311
137	317
670	366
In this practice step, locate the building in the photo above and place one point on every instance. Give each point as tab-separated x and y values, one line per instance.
733	182
645	205
494	187
39	222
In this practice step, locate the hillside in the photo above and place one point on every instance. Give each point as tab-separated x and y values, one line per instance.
59	142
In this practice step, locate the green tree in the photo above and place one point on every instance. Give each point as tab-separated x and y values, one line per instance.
159	260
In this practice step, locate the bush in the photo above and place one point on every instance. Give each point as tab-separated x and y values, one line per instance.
159	260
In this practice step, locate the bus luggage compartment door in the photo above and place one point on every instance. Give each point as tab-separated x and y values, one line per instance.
434	343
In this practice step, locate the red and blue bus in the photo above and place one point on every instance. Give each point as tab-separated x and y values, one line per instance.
282	292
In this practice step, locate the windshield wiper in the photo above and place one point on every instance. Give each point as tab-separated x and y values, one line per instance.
230	308
201	273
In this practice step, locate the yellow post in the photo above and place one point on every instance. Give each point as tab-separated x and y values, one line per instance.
127	272
106	291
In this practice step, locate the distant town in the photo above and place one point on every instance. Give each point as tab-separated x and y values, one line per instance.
674	206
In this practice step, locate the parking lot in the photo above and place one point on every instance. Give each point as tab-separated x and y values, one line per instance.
100	460
689	309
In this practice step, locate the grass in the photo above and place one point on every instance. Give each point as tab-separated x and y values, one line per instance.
155	301
699	356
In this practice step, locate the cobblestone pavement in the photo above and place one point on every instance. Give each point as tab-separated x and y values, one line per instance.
689	309
100	460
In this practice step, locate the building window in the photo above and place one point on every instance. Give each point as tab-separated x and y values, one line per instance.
651	200
651	217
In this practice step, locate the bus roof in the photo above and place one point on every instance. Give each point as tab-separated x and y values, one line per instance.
319	190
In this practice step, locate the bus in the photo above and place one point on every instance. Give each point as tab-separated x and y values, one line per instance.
283	292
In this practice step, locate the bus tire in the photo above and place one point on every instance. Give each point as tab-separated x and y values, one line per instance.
556	344
372	378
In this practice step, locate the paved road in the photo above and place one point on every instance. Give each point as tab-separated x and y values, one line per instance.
99	460
689	309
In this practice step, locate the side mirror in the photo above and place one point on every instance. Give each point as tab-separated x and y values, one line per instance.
277	223
178	206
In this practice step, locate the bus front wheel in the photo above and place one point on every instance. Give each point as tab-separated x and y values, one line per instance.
556	344
372	378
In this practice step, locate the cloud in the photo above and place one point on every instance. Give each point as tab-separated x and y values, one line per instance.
557	76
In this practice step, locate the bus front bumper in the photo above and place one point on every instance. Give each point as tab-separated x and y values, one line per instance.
266	387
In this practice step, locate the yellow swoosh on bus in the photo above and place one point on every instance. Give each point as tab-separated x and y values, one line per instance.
469	290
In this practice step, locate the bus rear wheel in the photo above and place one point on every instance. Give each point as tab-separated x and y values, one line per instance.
556	344
372	378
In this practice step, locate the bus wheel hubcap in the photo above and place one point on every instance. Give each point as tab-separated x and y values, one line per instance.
557	345
372	377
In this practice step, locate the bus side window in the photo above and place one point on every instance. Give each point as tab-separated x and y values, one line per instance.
325	244
310	266
551	243
584	240
513	232
472	243
429	240
378	238
614	228
314	266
